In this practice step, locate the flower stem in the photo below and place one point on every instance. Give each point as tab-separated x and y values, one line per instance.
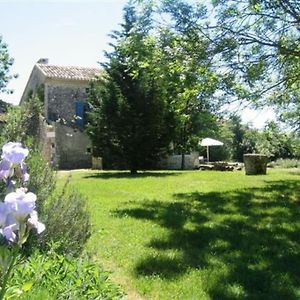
7	275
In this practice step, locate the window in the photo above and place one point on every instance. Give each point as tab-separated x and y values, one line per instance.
81	109
79	113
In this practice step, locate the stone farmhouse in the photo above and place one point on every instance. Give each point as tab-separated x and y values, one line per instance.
64	92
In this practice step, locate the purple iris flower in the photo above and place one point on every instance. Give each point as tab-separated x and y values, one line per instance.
6	169
9	232
25	175
18	206
3	213
20	203
33	221
14	153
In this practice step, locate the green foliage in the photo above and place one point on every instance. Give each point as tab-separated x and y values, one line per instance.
259	44
285	163
275	143
189	77
157	88
64	214
5	64
22	122
253	46
42	179
191	83
130	116
239	139
67	221
54	276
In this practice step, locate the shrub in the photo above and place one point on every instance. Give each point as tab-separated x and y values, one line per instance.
67	220
21	122
53	276
285	163
42	179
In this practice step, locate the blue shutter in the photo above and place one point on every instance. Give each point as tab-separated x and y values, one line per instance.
79	113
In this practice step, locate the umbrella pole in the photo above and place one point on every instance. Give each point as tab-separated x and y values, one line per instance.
207	153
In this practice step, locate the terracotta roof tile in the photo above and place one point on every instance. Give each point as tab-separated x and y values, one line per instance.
74	73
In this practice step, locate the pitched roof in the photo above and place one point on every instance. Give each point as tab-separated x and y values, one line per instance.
73	73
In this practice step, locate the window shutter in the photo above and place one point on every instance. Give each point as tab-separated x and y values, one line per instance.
79	113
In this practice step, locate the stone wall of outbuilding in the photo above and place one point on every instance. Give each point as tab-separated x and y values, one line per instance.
61	98
72	148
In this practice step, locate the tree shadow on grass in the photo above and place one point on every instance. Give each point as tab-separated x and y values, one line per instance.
252	234
128	175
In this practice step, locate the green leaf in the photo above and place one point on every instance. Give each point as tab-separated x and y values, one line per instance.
27	286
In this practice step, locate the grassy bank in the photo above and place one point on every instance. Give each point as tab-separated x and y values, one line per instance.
198	234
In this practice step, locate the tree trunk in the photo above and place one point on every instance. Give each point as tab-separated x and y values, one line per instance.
183	147
182	160
133	171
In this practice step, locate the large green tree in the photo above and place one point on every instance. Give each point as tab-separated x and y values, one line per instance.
131	118
254	45
187	69
5	63
258	42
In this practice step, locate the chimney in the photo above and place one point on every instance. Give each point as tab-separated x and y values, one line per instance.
43	61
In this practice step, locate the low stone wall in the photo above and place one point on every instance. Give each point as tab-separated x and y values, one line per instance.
72	148
173	162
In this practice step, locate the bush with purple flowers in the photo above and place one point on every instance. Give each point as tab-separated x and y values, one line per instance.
17	212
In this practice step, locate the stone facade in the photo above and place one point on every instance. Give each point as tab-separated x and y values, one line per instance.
56	94
65	92
72	148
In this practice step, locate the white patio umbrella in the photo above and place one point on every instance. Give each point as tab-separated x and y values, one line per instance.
209	142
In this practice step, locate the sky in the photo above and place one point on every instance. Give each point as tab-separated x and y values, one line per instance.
69	33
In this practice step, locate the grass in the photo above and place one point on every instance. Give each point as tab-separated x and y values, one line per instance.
198	234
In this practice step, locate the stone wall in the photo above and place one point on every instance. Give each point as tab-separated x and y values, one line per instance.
72	148
35	80
61	98
173	162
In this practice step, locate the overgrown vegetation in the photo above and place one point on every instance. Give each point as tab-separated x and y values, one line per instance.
54	276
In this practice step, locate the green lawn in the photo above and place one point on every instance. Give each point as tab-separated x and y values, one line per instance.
197	235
